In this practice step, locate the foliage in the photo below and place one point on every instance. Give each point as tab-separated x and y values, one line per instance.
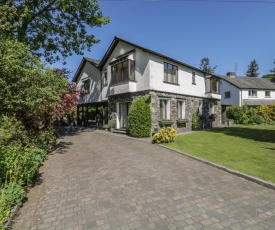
19	157
235	112
257	115
206	67
165	135
273	70
248	149
52	26
195	122
4	208
14	194
252	69
112	123
29	91
140	118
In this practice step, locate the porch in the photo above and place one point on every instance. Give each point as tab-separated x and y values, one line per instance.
93	114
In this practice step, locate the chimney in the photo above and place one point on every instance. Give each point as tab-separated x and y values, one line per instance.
231	74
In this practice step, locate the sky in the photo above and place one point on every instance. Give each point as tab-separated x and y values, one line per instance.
231	34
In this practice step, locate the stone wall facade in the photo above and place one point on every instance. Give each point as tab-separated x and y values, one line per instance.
191	108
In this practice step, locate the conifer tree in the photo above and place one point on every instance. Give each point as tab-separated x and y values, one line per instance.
252	69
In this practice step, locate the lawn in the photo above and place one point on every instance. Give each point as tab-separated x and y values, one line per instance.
247	149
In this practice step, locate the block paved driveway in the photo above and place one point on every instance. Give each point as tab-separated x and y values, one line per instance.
104	181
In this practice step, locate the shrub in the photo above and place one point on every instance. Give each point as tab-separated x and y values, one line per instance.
235	113
14	194
4	208
111	123
195	122
140	118
256	119
166	135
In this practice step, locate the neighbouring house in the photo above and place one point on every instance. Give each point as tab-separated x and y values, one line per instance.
175	90
248	91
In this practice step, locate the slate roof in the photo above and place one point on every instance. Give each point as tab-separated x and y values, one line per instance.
92	61
257	102
250	82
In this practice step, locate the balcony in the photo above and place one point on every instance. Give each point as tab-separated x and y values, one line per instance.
213	95
123	87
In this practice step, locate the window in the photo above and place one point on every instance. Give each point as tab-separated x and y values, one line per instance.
267	93
170	73
193	78
164	109
252	93
214	85
181	109
200	107
211	109
123	71
227	94
105	79
86	86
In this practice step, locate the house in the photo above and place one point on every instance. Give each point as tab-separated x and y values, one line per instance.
248	91
175	90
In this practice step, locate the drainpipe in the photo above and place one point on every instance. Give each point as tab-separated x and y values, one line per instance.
241	97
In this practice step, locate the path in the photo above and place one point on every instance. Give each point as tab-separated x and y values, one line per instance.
105	181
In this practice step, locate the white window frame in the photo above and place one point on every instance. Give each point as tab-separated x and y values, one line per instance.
181	105
225	94
105	79
211	108
200	107
169	77
267	92
252	93
86	86
193	78
164	104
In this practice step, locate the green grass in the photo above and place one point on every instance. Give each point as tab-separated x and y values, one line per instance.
247	149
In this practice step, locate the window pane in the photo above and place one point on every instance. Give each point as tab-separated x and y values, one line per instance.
114	74
163	109
132	70
119	72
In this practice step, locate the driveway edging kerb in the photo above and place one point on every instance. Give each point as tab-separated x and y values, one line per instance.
231	171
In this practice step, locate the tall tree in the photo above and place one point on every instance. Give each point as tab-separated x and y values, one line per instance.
273	70
51	27
205	66
252	69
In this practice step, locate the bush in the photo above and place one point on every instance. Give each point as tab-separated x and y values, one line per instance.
14	194
140	118
166	135
111	123
195	122
4	208
256	119
235	113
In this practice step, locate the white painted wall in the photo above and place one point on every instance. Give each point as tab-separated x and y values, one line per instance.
91	72
235	98
184	79
141	71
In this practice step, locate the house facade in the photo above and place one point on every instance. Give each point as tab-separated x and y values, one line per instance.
174	89
247	90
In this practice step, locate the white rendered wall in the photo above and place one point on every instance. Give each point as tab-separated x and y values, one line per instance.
91	72
260	94
235	93
184	79
141	71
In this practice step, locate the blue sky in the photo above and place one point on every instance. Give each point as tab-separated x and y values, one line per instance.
226	32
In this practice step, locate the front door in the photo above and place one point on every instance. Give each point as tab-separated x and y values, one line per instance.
123	115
